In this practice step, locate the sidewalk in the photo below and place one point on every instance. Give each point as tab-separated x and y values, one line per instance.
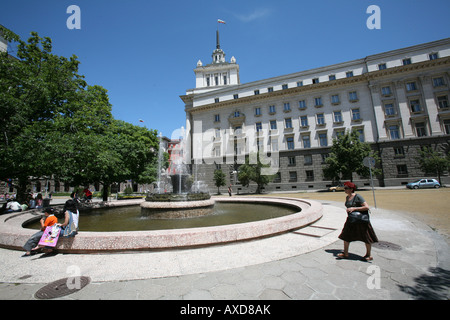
410	262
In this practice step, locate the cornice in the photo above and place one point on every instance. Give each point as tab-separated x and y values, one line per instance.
366	77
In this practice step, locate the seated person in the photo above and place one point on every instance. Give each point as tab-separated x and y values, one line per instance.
39	201
13	206
87	194
48	220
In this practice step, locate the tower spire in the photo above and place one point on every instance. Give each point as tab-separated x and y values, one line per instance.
217	39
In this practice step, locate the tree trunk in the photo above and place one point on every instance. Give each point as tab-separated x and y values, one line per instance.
105	192
21	196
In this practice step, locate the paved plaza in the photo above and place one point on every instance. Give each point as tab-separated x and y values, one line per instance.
412	261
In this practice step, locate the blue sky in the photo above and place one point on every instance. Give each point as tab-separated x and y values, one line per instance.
144	52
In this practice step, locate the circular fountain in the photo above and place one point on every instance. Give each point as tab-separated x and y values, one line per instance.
181	200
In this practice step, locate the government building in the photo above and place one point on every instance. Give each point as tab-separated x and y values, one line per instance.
398	101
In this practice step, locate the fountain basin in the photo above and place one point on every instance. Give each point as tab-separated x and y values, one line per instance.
177	209
14	236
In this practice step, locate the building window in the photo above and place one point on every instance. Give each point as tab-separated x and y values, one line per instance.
208	82
402	170
272	109
389	109
287	107
407	61
433	56
288	123
284	86
291	161
443	102
337	117
299	83
258	127
216	80
438	82
399	152
273	125
394	132
340	133
217	133
356	115
320	119
325	156
237	114
352	96
361	135
349	74
421	130
304	121
290	143
257	111
332	77
308	160
415	105
411	86
447	126
270	89
274	144
386	91
335	99
260	144
306	141
382	66
292	176
323	140
216	100
256	92
217	118
302	104
309	175
318	102
225	80
315	80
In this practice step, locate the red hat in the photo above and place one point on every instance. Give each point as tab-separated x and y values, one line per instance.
351	185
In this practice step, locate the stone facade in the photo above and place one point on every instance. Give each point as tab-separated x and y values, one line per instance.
398	101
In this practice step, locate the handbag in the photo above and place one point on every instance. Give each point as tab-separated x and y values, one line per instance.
358	216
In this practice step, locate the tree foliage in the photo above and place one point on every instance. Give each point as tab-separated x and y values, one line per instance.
219	179
434	161
55	125
346	157
253	172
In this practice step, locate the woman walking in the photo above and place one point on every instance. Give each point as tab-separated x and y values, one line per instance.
357	227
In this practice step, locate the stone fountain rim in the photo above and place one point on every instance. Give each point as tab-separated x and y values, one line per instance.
13	235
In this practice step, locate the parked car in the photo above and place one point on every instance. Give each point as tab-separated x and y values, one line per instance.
424	183
339	187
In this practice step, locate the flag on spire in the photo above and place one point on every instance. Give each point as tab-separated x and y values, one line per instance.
221	21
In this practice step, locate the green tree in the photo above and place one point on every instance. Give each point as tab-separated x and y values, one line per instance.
433	161
253	172
219	179
346	157
35	89
54	125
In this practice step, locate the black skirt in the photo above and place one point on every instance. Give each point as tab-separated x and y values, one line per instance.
358	232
